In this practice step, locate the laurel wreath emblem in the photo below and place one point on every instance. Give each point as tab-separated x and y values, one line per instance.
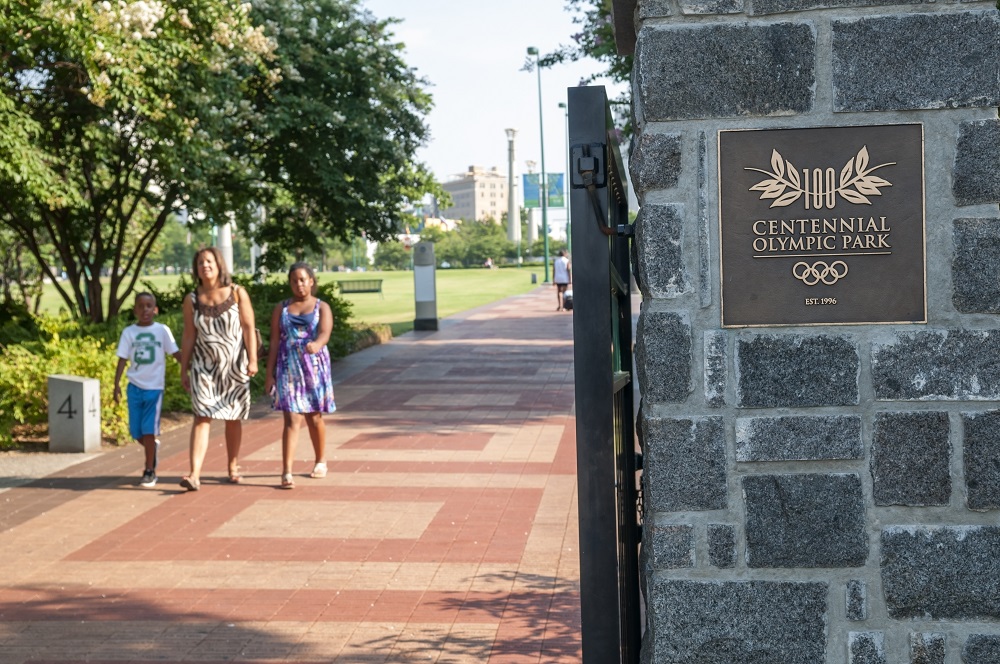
856	181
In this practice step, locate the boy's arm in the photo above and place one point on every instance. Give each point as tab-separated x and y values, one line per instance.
118	377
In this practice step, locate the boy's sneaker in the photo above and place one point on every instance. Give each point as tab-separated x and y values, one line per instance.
148	479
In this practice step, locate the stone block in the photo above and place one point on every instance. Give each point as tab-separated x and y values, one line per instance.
684	464
857	600
798	438
810	521
655	162
982	649
760	7
725	70
663	356
659	251
672	545
748	622
866	648
975	264
975	176
697	7
878	65
74	414
716	355
937	365
796	371
654	9
722	545
981	458
911	455
927	648
941	572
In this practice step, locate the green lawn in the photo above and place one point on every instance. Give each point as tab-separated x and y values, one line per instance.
457	290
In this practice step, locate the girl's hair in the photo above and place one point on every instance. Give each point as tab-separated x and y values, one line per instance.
224	278
303	266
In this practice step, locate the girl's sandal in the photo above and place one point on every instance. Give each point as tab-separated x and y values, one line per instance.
190	484
287	482
319	470
234	476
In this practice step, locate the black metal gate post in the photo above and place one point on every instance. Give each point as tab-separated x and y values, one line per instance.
605	433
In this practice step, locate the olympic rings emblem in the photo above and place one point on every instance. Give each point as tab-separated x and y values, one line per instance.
819	271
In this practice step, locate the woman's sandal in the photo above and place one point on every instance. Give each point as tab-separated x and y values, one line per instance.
319	470
190	485
234	476
287	482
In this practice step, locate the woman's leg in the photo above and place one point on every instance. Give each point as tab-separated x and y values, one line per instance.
234	437
198	446
289	440
317	434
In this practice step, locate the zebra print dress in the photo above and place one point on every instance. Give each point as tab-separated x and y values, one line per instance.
220	386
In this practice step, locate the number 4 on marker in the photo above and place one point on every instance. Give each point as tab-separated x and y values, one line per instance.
67	408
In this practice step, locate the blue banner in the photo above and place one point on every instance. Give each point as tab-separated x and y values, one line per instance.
556	190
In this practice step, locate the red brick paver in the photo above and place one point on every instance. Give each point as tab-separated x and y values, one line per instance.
445	531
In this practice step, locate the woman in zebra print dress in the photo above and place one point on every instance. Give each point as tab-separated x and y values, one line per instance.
218	358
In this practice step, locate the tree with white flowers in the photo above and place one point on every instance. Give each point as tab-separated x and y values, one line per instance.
116	115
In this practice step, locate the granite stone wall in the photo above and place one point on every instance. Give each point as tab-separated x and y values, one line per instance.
818	494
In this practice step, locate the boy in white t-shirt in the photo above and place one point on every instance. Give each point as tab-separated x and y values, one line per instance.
144	346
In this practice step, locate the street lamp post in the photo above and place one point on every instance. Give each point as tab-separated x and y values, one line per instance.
513	218
542	182
569	239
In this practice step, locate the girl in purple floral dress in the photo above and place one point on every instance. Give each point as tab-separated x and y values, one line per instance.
298	369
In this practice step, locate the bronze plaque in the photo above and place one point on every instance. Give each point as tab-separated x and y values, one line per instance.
822	226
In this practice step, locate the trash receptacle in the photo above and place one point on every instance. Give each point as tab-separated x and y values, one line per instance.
534	278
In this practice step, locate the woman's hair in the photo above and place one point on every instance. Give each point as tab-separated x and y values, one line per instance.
303	266
224	278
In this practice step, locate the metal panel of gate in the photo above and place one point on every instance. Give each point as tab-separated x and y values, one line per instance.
605	428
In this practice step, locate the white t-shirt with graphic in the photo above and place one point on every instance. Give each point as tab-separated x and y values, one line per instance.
146	349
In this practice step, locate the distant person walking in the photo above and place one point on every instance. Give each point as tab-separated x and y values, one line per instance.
299	376
218	358
144	347
562	277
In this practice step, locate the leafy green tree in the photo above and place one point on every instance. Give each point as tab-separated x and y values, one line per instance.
595	40
339	133
114	116
392	255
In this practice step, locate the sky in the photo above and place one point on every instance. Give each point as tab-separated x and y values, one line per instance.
471	52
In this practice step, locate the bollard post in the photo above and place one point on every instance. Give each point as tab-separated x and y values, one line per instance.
424	287
74	414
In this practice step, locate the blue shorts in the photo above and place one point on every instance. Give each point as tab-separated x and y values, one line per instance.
143	411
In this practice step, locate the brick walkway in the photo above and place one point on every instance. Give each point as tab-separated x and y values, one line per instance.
446	530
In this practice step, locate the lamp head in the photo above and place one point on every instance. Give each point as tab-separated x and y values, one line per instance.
511	133
532	50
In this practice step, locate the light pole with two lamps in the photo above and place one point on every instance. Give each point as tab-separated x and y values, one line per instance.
542	182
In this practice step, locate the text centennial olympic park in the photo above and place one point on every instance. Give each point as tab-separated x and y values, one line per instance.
837	234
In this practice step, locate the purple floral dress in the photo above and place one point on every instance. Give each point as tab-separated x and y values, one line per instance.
303	382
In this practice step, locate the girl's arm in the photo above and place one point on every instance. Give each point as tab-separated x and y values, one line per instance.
272	353
323	331
187	342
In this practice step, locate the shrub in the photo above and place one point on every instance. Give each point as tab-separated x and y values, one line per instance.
24	372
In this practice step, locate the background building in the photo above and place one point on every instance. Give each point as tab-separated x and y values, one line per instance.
478	194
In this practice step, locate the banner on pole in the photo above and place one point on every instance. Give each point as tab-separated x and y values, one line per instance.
556	190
